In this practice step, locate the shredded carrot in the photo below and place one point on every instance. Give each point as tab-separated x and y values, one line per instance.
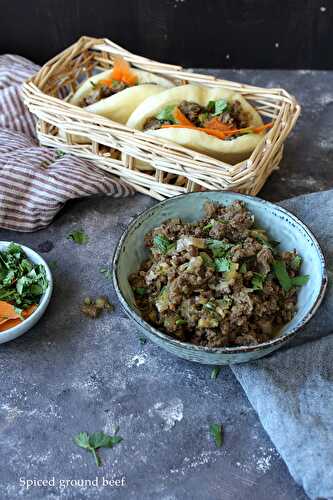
14	320
122	71
181	118
7	311
222	134
215	123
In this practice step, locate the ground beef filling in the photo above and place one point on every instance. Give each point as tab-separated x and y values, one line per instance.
101	91
213	282
201	116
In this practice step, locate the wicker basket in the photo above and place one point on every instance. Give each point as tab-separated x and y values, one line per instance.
174	169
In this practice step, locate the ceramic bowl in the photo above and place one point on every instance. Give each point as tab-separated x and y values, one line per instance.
16	331
280	224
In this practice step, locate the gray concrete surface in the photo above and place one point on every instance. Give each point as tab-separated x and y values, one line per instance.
71	374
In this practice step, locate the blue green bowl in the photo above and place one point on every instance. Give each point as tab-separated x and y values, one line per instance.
280	224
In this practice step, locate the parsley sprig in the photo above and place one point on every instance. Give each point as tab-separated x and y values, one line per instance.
95	441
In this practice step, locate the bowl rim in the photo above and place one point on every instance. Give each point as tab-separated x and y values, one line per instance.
28	323
219	350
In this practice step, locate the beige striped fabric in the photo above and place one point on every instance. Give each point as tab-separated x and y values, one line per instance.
34	182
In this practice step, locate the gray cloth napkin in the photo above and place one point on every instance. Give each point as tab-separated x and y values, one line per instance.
292	390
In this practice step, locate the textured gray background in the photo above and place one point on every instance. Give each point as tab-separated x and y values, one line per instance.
71	374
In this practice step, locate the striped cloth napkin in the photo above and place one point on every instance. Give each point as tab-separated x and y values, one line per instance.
34	182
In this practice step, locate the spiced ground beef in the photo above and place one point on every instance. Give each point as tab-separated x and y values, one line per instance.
217	282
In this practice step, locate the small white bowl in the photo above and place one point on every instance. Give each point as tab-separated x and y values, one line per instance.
28	323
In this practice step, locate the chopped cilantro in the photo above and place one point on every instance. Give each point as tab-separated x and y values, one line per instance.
215	372
216	431
180	322
258	281
166	114
79	237
300	280
221	105
222	264
219	248
140	291
22	282
162	243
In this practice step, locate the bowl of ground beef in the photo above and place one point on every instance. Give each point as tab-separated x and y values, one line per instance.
219	277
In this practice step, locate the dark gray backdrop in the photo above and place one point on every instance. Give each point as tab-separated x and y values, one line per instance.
194	33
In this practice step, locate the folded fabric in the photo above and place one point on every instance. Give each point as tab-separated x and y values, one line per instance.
292	390
36	182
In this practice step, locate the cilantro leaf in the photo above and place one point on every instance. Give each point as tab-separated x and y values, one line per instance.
82	440
141	291
222	264
218	248
281	273
220	106
258	281
216	431
300	280
215	372
162	243
95	441
79	237
166	114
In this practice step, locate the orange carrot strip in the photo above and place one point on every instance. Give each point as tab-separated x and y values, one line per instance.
181	118
7	311
215	123
10	323
122	71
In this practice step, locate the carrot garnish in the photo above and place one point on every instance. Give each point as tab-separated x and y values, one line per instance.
122	72
13	318
215	123
181	118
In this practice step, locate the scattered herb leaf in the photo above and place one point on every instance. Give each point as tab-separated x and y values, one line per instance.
215	372
59	153
95	441
79	237
216	431
140	291
208	226
107	272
